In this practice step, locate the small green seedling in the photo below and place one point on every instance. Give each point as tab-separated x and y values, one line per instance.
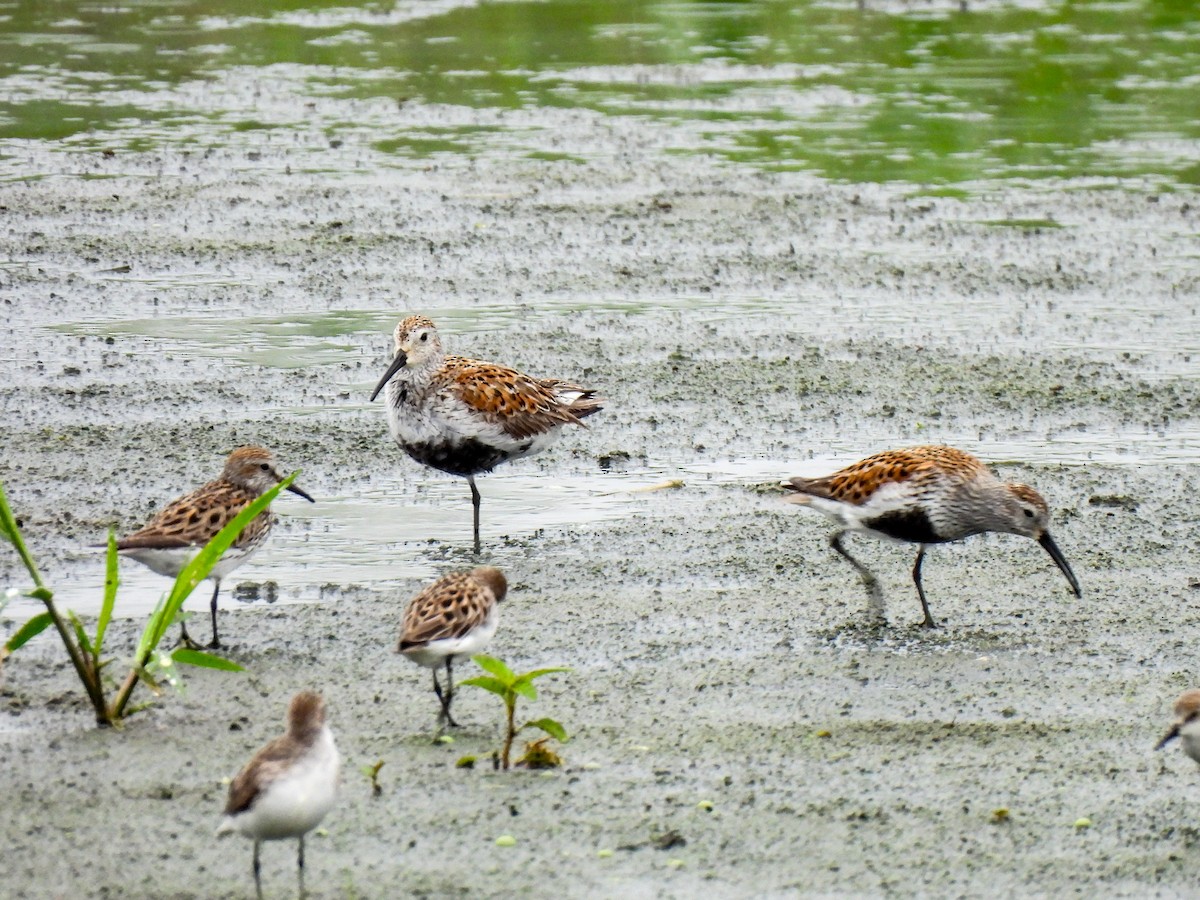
370	772
507	685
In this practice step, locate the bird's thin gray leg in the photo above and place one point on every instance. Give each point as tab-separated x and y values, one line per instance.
928	623
437	689
475	498
450	691
874	591
257	871
185	639
300	867
215	643
445	697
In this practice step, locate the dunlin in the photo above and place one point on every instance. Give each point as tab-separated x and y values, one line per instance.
169	540
452	619
465	417
288	786
1187	724
926	495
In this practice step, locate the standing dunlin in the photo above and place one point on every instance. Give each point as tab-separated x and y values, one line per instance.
288	786
926	495
1187	724
452	619
465	417
169	540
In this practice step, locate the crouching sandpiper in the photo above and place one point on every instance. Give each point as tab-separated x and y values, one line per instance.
926	495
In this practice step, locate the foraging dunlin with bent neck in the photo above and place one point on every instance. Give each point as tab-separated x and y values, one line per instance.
288	786
926	495
465	417
451	620
170	540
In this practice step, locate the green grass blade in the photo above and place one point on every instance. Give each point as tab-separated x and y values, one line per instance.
494	666
29	630
550	726
111	580
8	523
495	685
80	634
10	530
153	626
197	570
204	660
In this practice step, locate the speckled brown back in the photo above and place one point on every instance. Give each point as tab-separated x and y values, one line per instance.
856	483
449	608
521	405
195	518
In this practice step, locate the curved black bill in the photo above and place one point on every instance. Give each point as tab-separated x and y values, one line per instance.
397	364
298	491
1170	736
1061	561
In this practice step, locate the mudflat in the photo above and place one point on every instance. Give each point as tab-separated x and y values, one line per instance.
737	728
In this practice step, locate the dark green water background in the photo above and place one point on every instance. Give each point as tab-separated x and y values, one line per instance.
921	93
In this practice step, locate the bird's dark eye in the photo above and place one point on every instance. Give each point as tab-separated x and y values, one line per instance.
265	467
1028	513
424	336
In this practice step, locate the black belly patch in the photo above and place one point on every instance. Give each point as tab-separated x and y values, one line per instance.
461	458
906	525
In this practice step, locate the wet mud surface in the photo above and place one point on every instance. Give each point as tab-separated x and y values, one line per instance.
744	327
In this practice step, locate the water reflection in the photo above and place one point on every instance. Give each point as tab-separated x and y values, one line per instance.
931	96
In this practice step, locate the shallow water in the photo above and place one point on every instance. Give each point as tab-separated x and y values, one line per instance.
386	536
380	537
1005	92
1161	330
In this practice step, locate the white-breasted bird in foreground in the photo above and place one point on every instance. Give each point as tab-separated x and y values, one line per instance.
288	786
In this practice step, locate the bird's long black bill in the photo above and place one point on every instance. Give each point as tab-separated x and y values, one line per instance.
1061	561
1170	736
301	493
397	364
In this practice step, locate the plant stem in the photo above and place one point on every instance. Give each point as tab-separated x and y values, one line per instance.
511	703
127	686
88	674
